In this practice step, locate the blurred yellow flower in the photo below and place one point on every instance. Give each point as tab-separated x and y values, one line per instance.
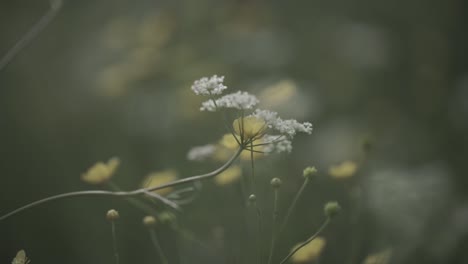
228	144
344	170
228	141
249	126
101	172
309	252
278	93
228	176
381	257
246	154
20	258
158	178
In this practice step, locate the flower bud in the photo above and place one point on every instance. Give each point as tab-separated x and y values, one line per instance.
112	215
252	198
331	209
275	182
149	221
309	172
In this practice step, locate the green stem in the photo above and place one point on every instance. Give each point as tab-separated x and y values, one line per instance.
114	243
322	227
137	203
125	193
293	205
274	231
157	246
29	36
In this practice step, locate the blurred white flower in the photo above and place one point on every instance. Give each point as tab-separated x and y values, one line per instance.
209	86
239	100
288	127
201	153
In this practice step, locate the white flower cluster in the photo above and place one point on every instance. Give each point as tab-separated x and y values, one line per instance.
288	127
201	153
276	143
239	100
209	86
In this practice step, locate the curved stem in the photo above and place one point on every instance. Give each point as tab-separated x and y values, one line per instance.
293	205
114	243
157	246
40	25
322	227
123	193
274	231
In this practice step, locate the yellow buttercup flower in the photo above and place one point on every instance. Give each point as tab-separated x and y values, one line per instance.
343	170
228	141
228	176
278	94
309	252
158	178
20	258
249	127
101	172
381	257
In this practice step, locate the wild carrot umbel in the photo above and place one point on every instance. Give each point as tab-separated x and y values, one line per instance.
251	135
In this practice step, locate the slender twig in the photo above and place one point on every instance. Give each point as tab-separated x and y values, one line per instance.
124	193
133	200
322	227
114	243
293	205
41	24
274	226
157	246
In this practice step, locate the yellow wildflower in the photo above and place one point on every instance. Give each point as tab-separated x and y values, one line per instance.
20	258
249	127
228	141
381	257
278	94
228	176
101	172
344	170
309	252
158	178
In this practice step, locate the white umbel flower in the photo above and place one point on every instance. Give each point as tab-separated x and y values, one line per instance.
238	100
201	153
276	143
209	86
287	127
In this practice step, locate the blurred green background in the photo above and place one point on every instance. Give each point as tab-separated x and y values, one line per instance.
112	78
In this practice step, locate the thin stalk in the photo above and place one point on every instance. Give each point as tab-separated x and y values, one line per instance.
125	193
114	243
322	227
259	213
157	246
40	25
293	205
137	203
274	231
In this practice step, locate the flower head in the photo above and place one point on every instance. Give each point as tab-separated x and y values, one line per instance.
209	86
201	153
287	127
238	100
309	252
101	172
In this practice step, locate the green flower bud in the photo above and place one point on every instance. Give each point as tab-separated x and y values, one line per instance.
331	209
252	198
149	221
309	172
112	215
275	182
